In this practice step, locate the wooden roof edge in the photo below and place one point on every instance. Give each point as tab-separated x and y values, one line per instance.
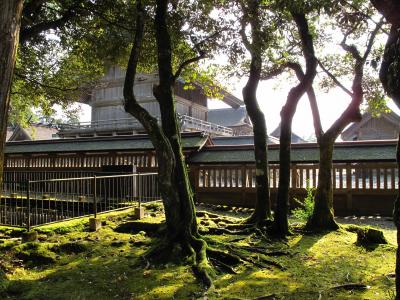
105	138
306	145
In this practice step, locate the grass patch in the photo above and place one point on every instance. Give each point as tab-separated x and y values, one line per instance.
105	265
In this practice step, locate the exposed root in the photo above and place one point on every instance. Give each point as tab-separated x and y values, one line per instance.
226	258
200	267
215	217
351	287
222	266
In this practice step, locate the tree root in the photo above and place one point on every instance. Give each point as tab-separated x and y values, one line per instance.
222	266
215	217
200	267
226	258
351	287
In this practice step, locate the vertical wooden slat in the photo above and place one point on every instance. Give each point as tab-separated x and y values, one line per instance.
392	178
385	179
371	181
378	178
364	173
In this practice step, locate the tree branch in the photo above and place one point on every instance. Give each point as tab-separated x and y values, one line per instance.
186	63
311	97
372	38
46	86
334	79
32	31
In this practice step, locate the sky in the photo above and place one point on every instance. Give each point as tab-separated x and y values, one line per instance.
271	98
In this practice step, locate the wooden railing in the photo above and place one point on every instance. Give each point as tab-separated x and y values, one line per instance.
360	176
359	188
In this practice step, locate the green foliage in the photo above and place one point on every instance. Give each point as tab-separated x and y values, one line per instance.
304	212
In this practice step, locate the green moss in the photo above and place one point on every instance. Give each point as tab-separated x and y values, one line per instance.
107	265
71	248
35	254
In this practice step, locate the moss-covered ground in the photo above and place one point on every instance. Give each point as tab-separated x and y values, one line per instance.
70	262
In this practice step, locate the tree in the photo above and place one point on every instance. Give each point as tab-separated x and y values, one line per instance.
181	231
281	225
323	215
251	16
10	22
390	78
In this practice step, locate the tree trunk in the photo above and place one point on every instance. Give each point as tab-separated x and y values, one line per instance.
322	216
396	219
262	209
10	22
182	233
390	78
186	224
282	202
281	224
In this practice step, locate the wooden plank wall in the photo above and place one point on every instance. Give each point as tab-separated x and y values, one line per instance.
359	188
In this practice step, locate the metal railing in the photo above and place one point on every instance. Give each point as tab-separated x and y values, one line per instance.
39	202
187	122
201	125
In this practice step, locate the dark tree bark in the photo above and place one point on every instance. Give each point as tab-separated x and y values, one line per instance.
10	20
174	184
251	16
323	214
390	77
282	206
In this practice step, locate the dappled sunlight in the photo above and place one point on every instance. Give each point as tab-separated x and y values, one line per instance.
107	264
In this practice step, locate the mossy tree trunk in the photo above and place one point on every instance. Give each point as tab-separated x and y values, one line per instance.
10	23
282	205
174	184
396	219
251	16
390	77
323	208
322	217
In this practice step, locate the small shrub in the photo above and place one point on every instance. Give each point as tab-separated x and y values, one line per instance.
304	212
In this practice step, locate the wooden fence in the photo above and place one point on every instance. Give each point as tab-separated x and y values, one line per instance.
359	188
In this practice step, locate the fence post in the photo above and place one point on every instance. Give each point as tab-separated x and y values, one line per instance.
140	192
349	188
95	196
28	225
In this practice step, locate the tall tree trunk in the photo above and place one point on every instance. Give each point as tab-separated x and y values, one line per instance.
262	210
396	219
390	77
281	214
322	217
10	22
186	224
323	208
251	13
174	184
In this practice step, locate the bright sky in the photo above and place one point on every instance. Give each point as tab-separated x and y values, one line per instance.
271	99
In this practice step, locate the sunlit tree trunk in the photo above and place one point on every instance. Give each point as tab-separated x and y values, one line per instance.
173	177
10	22
262	209
282	205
